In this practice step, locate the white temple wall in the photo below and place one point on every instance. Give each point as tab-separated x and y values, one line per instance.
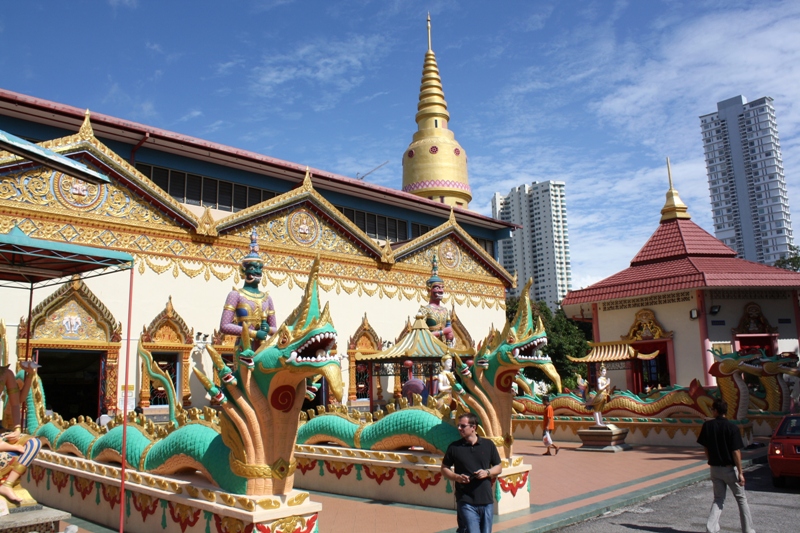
199	303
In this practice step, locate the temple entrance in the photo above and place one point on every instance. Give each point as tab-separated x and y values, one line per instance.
72	381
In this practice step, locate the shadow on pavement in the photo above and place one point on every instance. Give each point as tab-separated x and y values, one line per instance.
656	529
759	479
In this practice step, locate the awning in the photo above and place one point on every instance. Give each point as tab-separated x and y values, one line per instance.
26	260
602	352
49	158
418	343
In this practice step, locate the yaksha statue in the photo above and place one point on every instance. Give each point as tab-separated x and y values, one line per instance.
437	316
248	306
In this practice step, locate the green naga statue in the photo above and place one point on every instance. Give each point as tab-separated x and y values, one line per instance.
246	448
483	388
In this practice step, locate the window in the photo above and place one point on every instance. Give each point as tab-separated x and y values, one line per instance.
209	192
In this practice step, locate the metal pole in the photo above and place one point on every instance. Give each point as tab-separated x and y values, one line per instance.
28	326
125	407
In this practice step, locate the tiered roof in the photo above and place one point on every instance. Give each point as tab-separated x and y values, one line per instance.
681	255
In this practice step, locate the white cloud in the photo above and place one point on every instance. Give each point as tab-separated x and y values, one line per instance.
320	71
195	113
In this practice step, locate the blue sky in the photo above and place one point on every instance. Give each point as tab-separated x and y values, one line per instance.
593	93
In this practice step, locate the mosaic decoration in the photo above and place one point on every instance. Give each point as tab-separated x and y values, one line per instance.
303	227
449	254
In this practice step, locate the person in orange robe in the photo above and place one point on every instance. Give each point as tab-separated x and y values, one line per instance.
548	426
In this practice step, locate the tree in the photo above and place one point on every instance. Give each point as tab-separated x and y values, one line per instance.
791	261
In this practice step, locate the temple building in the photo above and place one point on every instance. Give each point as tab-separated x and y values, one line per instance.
185	209
684	294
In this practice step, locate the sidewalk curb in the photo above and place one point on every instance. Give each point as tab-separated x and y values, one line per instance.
593	511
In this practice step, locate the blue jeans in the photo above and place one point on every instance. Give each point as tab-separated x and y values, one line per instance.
474	518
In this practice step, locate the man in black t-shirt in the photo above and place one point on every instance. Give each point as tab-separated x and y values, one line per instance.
470	463
723	444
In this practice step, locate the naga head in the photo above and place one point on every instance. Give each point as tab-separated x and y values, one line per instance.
303	343
727	364
518	345
783	363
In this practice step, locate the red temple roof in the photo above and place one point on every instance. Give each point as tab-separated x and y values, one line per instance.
681	255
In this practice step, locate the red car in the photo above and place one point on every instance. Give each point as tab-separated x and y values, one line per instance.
784	450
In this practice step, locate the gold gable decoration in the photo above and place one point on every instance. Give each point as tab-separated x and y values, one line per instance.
753	322
169	239
646	327
168	332
72	313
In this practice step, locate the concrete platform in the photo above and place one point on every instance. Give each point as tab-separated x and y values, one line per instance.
565	488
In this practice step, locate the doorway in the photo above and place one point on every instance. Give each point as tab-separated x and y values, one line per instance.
73	381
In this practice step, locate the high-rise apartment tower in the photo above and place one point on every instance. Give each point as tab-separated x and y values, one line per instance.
745	179
540	249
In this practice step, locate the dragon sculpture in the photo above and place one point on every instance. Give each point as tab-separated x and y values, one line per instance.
248	448
662	403
483	388
775	397
692	401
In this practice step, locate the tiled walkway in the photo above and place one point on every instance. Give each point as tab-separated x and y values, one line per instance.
565	488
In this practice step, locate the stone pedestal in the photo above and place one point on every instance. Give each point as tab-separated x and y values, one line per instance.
608	438
40	519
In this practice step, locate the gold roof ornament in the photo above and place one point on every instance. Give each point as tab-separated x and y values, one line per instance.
86	132
674	208
435	165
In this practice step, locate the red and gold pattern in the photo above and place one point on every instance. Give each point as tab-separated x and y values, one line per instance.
338	468
304	465
514	482
59	479
379	473
110	494
145	504
83	486
38	473
183	515
424	478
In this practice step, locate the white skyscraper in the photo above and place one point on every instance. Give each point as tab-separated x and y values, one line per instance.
745	179
540	249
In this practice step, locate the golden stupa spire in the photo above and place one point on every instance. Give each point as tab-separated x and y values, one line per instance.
435	165
674	208
430	48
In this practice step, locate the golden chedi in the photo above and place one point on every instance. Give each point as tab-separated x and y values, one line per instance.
435	165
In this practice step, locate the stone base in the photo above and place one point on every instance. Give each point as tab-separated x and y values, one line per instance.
608	438
42	520
174	504
405	477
